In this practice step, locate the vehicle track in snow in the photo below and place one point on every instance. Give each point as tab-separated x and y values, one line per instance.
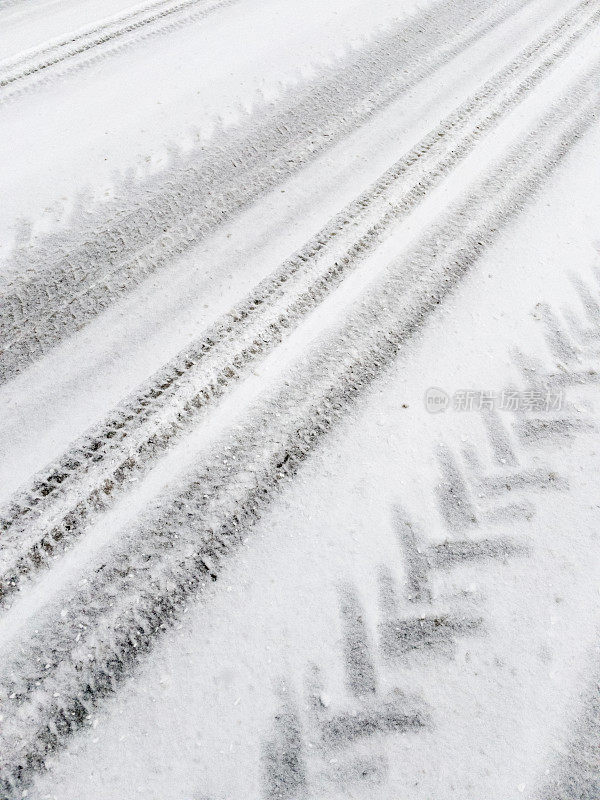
317	747
53	289
345	729
61	670
578	773
60	503
327	742
96	40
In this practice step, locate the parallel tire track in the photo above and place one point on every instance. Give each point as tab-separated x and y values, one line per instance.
72	278
107	32
57	506
55	677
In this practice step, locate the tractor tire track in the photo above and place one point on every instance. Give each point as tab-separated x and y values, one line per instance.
57	674
416	642
408	642
365	714
59	504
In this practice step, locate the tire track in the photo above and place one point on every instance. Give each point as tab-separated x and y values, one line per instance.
402	642
59	504
414	642
365	715
104	33
58	673
578	772
74	277
406	642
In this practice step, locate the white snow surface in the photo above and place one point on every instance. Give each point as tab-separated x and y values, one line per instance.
280	576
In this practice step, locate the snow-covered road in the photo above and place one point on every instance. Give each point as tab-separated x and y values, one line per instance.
300	347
